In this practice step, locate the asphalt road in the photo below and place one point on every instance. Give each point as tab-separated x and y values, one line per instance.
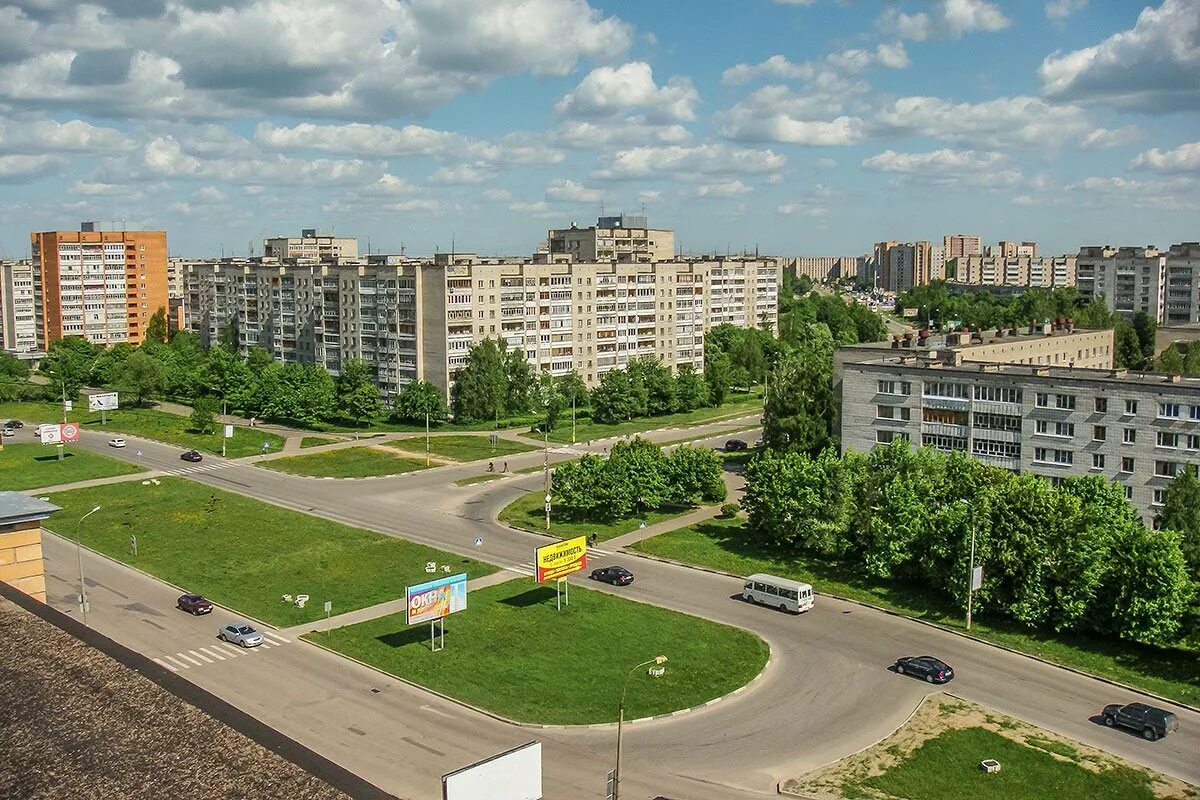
827	691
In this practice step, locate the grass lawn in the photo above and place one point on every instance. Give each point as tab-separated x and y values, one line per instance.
461	448
150	424
28	466
946	767
474	479
1172	672
528	512
586	430
349	462
246	554
317	441
512	653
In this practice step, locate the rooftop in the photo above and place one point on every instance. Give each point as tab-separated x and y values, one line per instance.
934	362
964	339
16	507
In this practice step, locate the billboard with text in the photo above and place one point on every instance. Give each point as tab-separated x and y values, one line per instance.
106	401
436	599
512	775
558	560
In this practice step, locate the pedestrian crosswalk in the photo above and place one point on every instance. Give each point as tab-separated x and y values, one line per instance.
528	569
197	468
218	651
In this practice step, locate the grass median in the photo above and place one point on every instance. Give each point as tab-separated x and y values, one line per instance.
586	430
1172	672
245	554
528	512
317	441
350	462
29	466
462	447
512	653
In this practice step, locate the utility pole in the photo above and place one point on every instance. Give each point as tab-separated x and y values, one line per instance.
572	417
546	470
971	574
427	437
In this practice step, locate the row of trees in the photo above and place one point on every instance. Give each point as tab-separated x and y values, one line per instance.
637	477
1071	558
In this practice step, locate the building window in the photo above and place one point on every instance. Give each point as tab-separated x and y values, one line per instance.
1048	455
1168	410
895	387
998	394
1193	441
1160	496
1097	460
945	389
887	437
1168	439
1048	428
1042	400
1126	464
1129	435
1131	407
1066	401
893	412
1101	404
1099	433
946	443
1166	469
1194	413
1128	492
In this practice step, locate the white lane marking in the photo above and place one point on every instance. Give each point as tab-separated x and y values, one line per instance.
598	551
231	649
521	569
433	710
213	653
275	638
264	646
188	658
180	661
201	656
162	663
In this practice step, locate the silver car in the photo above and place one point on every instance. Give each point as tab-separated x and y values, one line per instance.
240	633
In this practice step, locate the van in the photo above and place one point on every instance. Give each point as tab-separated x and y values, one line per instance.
781	593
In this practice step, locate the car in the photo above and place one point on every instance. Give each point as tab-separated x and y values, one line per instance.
240	633
192	455
117	442
735	445
14	423
1153	723
931	669
758	442
8	432
194	604
617	576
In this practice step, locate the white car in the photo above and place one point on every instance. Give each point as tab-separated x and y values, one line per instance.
116	442
240	633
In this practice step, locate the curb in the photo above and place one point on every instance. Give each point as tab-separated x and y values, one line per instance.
937	626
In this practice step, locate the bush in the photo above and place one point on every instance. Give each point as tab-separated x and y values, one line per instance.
730	510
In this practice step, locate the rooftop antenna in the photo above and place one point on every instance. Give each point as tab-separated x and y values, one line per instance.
250	248
643	209
222	251
401	248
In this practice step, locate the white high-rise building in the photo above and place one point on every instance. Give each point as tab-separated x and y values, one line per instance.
18	308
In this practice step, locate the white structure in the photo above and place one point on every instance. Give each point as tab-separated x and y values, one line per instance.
1183	284
623	238
1130	279
18	308
1023	271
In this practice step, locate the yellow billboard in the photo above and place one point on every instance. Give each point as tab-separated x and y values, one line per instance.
561	559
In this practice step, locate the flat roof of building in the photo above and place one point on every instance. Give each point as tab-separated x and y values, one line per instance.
16	507
915	360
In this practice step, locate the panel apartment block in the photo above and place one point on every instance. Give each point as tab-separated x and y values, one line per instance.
1183	284
1019	271
18	308
1130	279
101	285
623	238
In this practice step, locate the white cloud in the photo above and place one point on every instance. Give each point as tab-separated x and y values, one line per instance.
48	136
1059	10
950	19
573	192
621	133
93	188
682	163
826	163
167	157
16	169
460	174
1169	194
777	114
845	62
497	195
948	167
610	91
1105	139
538	210
1003	122
1154	67
649	195
389	184
732	188
1185	158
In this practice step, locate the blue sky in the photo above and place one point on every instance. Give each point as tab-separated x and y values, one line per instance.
801	127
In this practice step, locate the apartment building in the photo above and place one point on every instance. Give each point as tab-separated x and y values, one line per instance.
1130	279
1183	284
900	267
101	285
1135	429
1007	249
623	238
960	245
309	245
415	319
18	309
1022	271
825	268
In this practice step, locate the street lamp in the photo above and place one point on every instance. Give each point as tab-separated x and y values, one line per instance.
971	563
621	719
83	603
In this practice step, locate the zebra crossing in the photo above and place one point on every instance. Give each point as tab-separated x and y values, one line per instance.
198	468
529	570
218	651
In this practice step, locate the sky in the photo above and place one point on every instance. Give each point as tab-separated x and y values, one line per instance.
795	127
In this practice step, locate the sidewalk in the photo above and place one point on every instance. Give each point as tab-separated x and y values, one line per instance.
735	484
63	487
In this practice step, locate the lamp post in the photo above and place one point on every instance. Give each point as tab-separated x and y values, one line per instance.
427	437
621	720
83	603
971	562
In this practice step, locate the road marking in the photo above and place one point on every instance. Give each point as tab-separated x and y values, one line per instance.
179	661
188	658
522	570
264	646
433	710
274	636
231	649
213	653
201	656
162	663
598	551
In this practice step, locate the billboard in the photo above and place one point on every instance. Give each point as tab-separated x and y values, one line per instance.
49	434
512	775
106	401
70	432
561	559
433	600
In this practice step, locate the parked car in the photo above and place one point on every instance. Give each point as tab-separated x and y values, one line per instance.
1154	723
735	445
758	442
9	432
617	576
240	633
15	424
931	669
193	456
194	604
117	442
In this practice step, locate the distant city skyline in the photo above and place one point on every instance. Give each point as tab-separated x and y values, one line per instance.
797	127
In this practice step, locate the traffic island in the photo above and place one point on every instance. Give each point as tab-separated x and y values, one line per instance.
513	654
528	513
950	749
365	461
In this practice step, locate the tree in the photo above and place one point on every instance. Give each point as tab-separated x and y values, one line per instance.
613	400
204	411
68	363
692	475
519	393
800	408
418	399
653	386
142	378
1149	590
1181	513
691	390
634	477
718	374
14	378
357	395
1147	332
226	376
1171	361
1128	348
481	386
573	389
551	400
156	328
578	488
800	504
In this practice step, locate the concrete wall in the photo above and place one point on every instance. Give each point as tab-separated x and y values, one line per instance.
21	563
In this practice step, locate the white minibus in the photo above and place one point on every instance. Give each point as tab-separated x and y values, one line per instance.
779	593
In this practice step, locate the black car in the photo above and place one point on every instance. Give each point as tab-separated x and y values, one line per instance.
617	576
15	424
931	669
735	445
194	604
192	455
1154	723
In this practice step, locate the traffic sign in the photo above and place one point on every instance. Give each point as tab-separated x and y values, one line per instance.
479	541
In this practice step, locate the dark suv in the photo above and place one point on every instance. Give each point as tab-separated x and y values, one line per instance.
1154	723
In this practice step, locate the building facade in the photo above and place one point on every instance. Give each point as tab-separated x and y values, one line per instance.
1182	305
961	245
1130	279
1135	429
18	309
900	267
101	285
623	238
1023	271
309	245
825	268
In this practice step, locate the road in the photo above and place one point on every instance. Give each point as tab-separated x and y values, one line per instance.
827	691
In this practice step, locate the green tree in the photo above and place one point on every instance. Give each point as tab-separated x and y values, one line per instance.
156	328
573	389
718	374
579	488
634	477
550	399
204	415
691	390
481	386
142	378
519	394
1191	362
258	359
694	475
653	382
418	399
1150	588
14	378
68	364
357	395
800	407
226	376
1171	361
1128	348
1147	332
613	400
800	504
1181	513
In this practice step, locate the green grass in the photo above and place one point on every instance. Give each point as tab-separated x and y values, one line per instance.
29	466
317	441
946	767
349	462
246	554
528	512
385	425
1172	672
474	479
586	430
149	424
461	448
512	653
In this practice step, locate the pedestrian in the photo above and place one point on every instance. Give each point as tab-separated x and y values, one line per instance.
505	467
593	538
491	467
